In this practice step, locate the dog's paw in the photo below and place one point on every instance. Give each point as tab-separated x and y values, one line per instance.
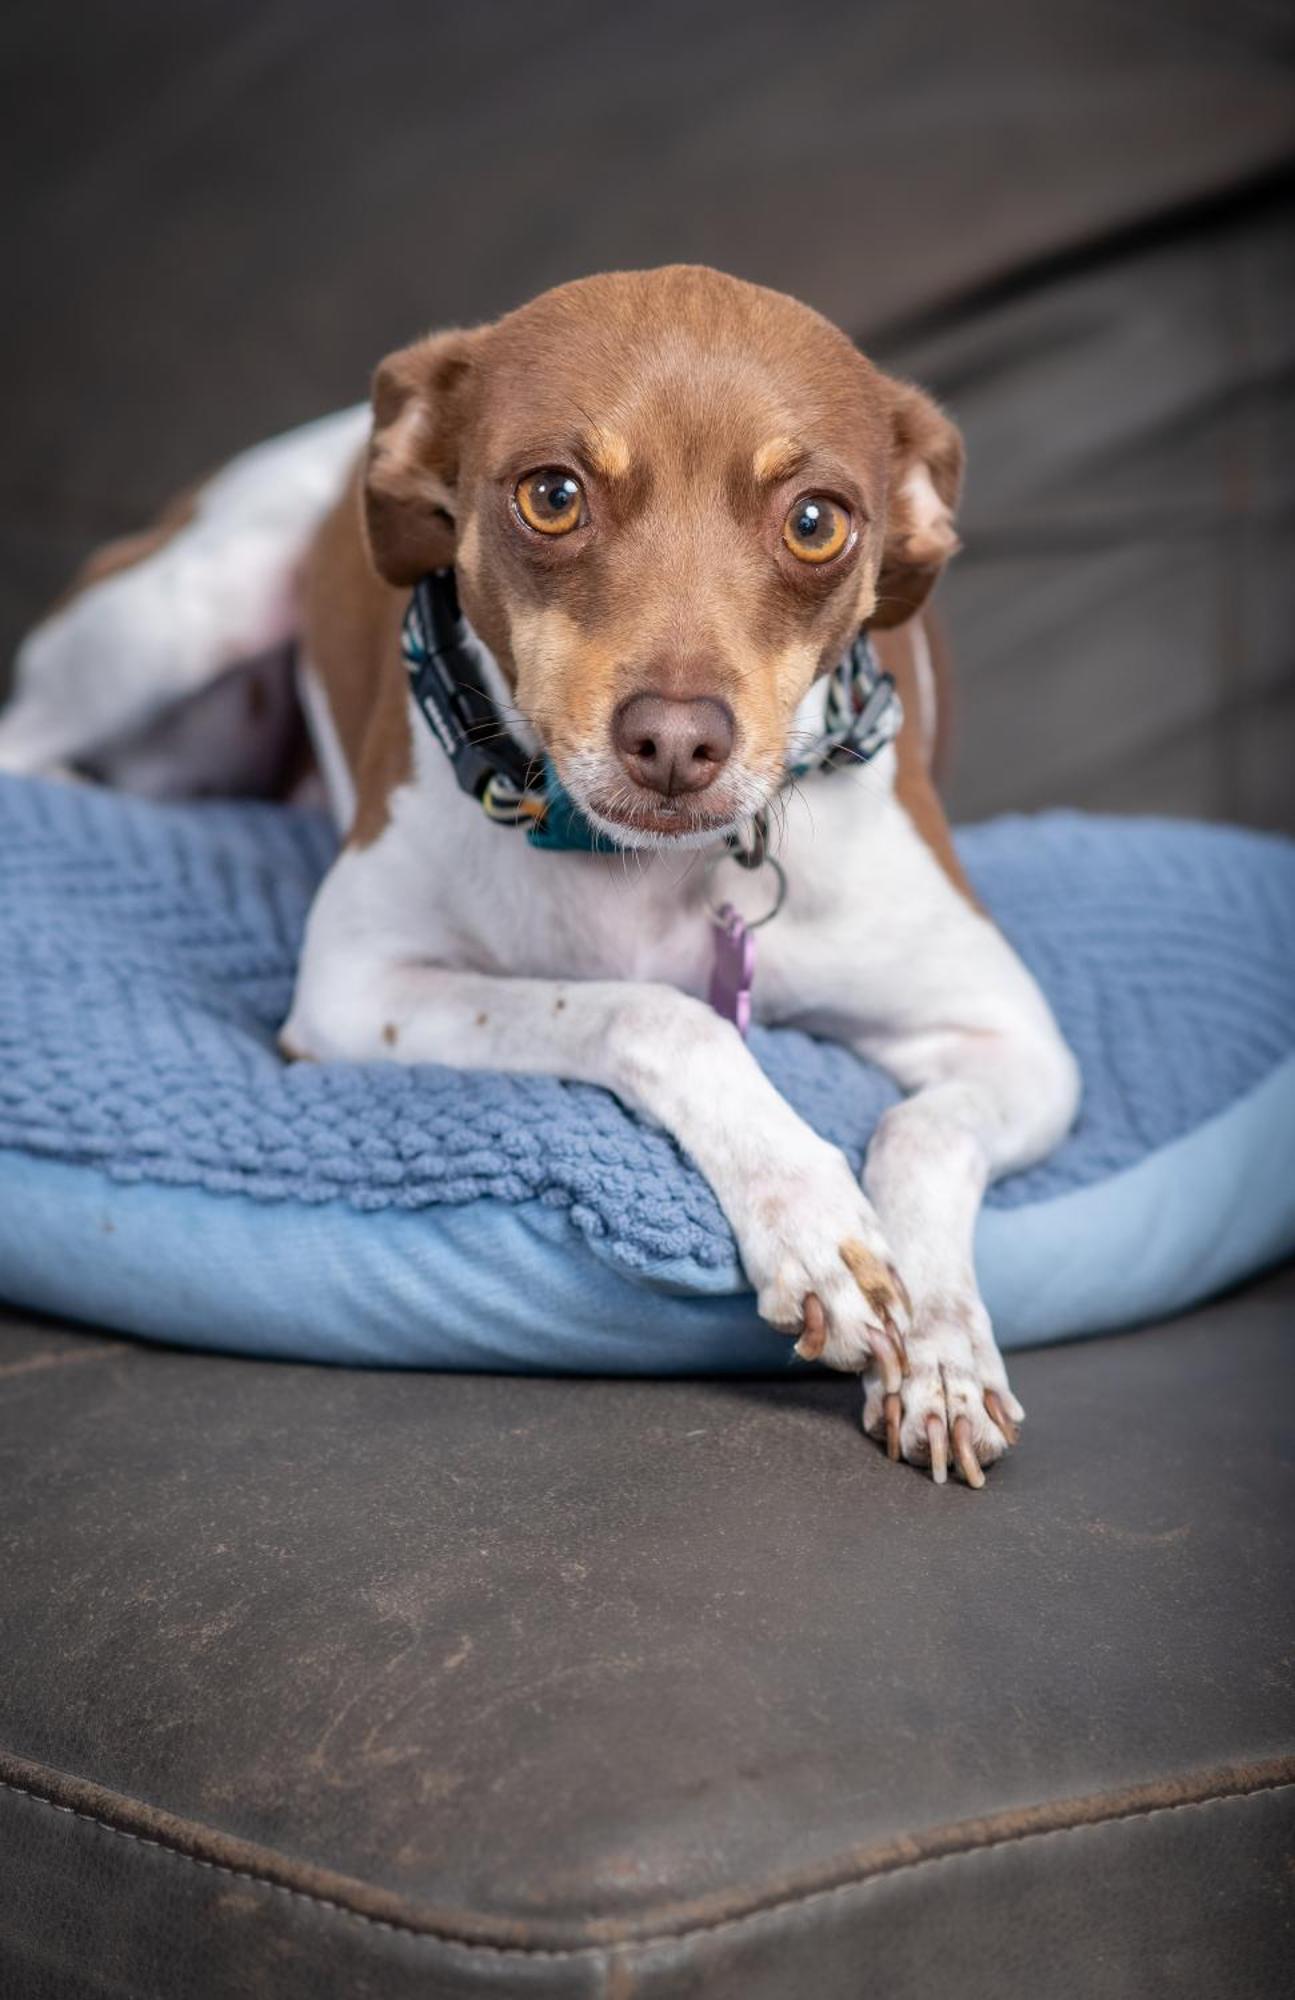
954	1406
815	1253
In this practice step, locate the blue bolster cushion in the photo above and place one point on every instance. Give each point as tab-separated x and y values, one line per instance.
163	1172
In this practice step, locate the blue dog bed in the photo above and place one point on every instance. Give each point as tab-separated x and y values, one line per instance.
162	1172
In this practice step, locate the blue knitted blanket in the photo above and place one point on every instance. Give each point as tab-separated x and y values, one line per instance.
146	963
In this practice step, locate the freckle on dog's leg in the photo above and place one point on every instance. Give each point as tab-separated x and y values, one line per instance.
883	1288
901	1345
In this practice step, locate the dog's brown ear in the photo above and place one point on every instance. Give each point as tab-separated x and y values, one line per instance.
420	400
926	460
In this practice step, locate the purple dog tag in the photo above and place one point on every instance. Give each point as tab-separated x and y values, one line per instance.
734	972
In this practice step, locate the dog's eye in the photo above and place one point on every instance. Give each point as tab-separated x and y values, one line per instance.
816	529
550	501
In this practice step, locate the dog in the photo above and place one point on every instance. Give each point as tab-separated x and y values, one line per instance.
657	511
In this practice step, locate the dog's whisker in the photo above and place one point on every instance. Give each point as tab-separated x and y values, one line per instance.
796	792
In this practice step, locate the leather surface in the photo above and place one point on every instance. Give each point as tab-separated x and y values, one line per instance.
1072	220
664	1687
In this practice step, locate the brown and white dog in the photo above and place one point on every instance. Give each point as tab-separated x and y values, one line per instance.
672	500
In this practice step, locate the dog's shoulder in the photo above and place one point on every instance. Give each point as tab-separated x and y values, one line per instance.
350	648
916	656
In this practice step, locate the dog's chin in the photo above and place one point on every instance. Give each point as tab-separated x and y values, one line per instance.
630	817
670	824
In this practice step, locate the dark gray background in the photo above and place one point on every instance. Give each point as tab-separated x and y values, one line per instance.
1072	220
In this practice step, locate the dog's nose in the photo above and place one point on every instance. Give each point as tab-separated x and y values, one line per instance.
671	746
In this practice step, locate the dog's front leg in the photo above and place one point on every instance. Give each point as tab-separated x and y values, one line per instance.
808	1237
985	1101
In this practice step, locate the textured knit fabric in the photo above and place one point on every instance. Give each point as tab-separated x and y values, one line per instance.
147	957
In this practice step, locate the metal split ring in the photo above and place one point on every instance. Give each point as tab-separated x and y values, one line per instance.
780	894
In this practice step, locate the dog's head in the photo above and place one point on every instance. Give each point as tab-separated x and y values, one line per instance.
672	500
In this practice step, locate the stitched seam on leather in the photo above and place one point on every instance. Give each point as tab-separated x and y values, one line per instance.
632	1943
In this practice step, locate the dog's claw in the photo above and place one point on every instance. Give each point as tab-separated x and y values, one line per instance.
938	1439
814	1337
893	1410
964	1451
993	1404
888	1354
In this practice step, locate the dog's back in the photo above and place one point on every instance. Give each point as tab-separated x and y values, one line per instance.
166	667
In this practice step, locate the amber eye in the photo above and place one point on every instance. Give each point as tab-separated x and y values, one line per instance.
816	529
550	501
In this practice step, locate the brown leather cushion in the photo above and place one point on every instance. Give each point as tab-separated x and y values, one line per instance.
323	1682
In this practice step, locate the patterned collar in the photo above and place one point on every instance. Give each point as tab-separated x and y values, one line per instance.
861	715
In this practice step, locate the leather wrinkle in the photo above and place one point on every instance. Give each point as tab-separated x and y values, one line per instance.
1109	244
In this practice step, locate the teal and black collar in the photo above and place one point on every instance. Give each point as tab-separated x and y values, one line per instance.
862	714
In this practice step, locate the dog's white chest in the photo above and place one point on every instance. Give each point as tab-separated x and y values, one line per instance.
445	885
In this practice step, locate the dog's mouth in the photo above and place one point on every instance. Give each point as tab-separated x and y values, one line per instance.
655	823
632	816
